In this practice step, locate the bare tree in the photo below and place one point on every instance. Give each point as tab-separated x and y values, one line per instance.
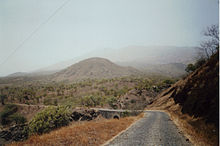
211	45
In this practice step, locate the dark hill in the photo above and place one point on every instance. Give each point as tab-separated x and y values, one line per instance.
93	68
197	96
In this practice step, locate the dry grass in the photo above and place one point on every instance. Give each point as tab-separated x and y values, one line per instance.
199	133
82	133
195	129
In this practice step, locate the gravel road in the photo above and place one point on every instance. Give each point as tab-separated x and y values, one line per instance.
154	129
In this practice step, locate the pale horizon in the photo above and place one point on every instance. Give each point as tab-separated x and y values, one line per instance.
81	27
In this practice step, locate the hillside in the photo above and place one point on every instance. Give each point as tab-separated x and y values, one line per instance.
196	96
17	74
169	69
31	74
93	68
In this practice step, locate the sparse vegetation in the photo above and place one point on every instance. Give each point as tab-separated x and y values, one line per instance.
192	67
91	101
125	114
18	118
86	133
211	45
112	102
207	48
87	93
52	100
194	102
9	115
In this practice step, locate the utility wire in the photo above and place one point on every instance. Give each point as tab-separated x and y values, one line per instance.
34	31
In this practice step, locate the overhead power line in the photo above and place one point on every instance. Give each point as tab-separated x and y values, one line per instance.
34	32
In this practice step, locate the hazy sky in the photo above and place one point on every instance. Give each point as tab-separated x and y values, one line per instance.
82	26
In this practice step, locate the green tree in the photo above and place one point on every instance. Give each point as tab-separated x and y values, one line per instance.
19	119
49	119
3	97
197	64
112	102
55	102
190	68
8	110
200	62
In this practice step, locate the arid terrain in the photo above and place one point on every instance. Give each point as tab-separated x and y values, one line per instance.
92	83
108	86
109	73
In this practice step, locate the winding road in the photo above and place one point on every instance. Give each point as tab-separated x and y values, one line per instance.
154	129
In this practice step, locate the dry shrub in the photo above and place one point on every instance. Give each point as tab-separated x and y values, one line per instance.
82	133
199	132
195	129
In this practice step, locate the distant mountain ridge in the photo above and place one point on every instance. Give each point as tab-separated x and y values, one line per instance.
169	69
17	74
164	60
93	68
136	55
32	74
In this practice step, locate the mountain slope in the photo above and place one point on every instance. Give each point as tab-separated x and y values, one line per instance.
136	55
153	59
197	96
17	74
170	69
32	74
93	68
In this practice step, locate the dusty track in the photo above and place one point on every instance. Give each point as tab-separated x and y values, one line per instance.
155	128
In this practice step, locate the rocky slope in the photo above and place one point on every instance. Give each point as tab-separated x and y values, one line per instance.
198	93
197	96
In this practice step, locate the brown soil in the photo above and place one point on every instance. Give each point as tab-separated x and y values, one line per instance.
93	68
193	103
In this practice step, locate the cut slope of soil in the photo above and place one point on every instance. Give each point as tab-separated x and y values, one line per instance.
194	101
